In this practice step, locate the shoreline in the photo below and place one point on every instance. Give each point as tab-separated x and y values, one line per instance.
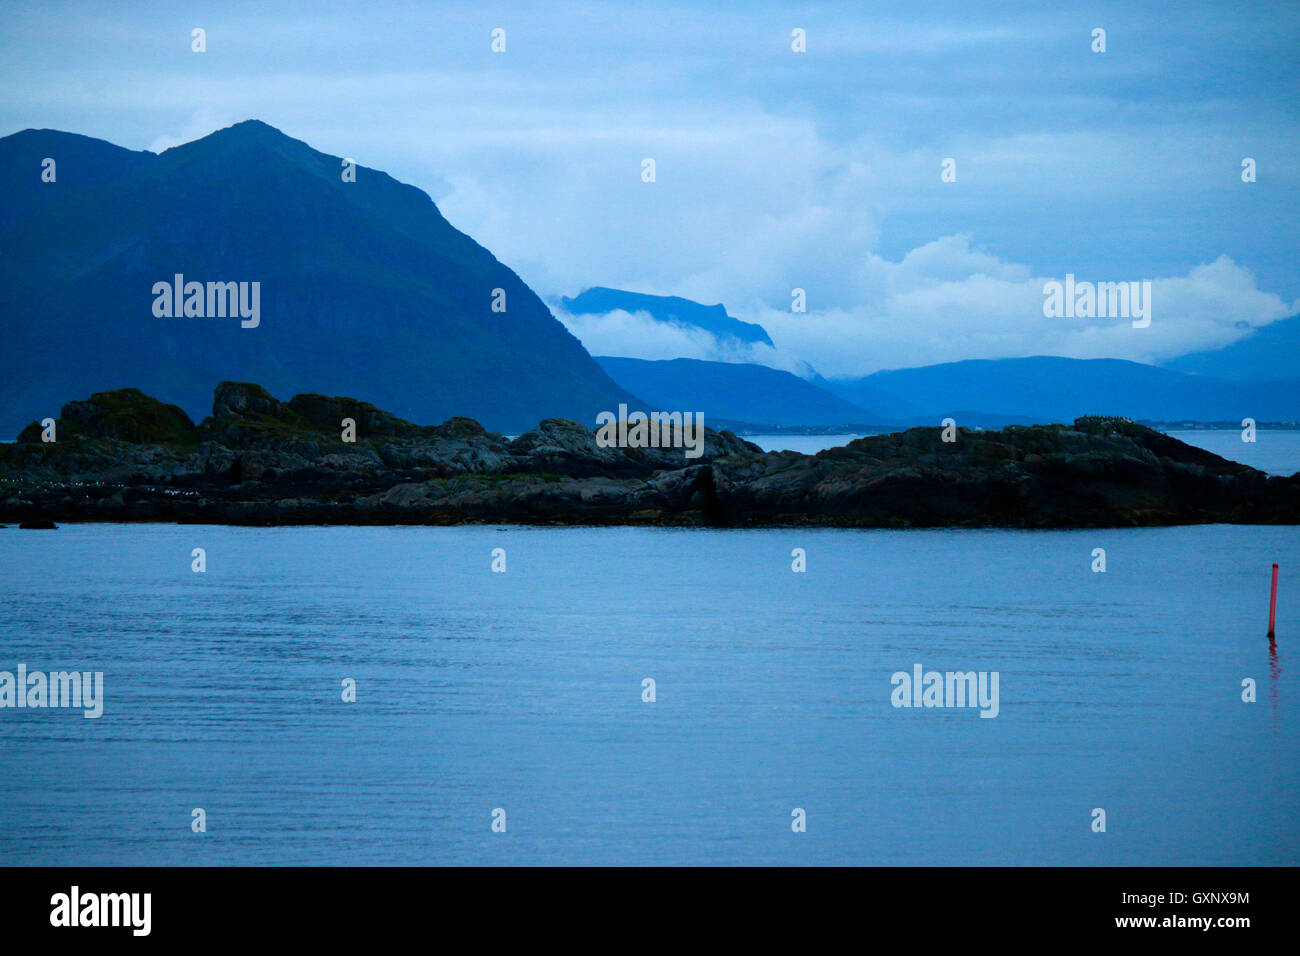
123	457
60	523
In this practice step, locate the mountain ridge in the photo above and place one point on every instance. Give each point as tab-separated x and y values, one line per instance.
1253	359
669	310
1056	388
365	287
733	391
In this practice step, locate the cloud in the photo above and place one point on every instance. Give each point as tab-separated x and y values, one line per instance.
746	207
640	335
947	301
776	170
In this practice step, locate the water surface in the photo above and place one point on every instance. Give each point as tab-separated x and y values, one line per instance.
522	690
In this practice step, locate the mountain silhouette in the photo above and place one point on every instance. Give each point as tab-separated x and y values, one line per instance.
668	310
365	289
1056	389
733	391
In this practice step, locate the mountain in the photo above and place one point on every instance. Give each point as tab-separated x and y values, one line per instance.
861	392
668	309
1057	389
364	287
1265	355
733	392
97	164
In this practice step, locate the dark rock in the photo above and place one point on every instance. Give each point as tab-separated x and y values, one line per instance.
260	461
126	415
326	414
241	400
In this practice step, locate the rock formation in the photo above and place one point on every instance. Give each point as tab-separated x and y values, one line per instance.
123	456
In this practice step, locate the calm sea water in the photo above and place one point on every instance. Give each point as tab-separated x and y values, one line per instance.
1274	452
523	691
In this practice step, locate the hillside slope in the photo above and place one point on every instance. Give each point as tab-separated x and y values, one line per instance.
364	287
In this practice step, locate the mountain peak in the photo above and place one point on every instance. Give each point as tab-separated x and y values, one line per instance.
249	132
249	129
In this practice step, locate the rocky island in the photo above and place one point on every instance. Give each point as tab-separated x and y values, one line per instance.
124	456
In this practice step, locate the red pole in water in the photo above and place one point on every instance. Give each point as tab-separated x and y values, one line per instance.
1272	603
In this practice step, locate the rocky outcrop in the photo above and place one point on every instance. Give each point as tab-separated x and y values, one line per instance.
126	415
122	456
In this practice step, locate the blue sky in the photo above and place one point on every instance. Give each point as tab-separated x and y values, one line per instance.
775	170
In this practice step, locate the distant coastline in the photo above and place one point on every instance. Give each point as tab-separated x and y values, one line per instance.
126	457
752	428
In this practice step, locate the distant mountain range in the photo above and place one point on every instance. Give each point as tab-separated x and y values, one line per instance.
670	310
365	289
1253	378
986	393
732	392
1047	388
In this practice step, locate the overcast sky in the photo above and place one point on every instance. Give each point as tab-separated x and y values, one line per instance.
775	169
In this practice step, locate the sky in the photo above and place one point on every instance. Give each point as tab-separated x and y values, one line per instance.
774	169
